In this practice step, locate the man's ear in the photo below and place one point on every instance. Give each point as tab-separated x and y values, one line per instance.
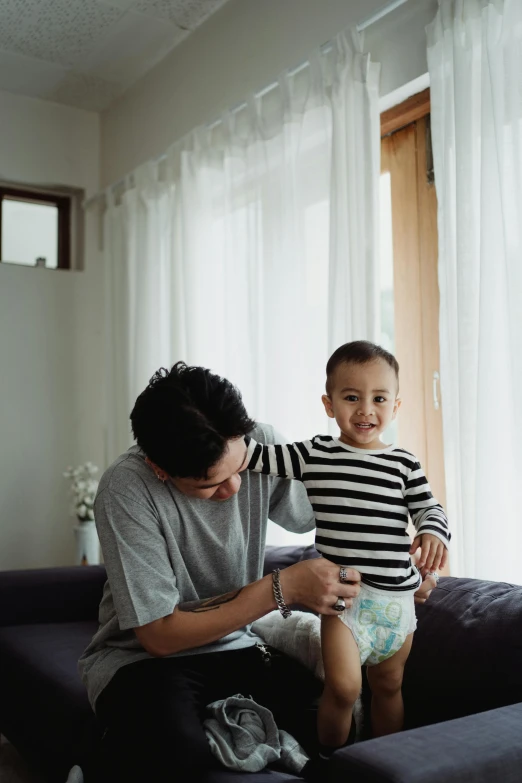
161	474
396	407
327	402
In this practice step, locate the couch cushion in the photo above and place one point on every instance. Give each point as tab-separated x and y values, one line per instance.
467	651
43	704
44	709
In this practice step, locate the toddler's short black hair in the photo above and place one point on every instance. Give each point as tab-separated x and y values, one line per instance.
185	417
359	352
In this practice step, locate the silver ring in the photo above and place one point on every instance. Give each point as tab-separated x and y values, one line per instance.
343	574
434	574
339	605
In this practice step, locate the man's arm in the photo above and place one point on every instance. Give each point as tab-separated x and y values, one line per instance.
312	583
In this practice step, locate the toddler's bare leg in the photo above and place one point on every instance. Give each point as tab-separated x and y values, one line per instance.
342	684
385	680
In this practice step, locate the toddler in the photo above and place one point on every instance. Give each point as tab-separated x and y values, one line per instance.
362	493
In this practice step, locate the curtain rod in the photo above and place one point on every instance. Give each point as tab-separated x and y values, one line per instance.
384	11
325	48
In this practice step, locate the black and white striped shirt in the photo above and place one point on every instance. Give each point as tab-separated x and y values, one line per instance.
361	499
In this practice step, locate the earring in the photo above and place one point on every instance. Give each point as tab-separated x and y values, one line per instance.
160	474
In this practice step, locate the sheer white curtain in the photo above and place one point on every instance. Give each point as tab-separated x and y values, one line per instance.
475	64
250	247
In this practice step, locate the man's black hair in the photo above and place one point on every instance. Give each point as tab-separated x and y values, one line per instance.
185	417
359	352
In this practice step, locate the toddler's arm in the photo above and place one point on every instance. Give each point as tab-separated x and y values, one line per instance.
426	513
284	461
429	520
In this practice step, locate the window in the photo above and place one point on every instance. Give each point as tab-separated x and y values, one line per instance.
35	228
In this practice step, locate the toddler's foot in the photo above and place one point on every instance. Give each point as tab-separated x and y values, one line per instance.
317	770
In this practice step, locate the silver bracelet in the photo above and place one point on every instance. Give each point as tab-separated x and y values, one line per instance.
278	594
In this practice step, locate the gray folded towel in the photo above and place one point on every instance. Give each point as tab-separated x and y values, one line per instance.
243	735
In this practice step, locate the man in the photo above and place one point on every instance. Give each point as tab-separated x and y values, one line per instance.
183	538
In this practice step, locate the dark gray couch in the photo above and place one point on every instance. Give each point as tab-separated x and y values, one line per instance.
465	667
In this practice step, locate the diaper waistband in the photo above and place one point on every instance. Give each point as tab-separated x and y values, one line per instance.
389	593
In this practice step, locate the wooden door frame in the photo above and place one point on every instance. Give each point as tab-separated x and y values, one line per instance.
404	113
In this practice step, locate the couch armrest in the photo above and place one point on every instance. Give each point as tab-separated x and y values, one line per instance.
480	748
50	595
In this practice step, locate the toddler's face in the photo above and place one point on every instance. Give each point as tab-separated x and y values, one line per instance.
363	401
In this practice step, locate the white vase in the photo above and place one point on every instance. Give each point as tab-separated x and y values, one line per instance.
87	544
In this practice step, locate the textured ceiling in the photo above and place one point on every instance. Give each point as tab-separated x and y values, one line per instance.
85	53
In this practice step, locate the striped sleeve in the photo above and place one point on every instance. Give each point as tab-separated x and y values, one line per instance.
426	513
284	461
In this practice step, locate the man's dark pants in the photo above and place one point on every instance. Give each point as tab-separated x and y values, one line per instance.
152	711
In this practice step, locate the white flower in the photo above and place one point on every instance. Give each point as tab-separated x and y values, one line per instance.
83	489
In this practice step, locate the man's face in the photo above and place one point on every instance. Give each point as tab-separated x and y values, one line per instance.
223	479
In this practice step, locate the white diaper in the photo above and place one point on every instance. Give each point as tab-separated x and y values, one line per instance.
379	623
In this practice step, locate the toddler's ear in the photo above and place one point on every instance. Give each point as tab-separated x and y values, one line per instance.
396	407
328	405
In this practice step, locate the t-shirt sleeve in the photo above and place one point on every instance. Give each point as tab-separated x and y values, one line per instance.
139	571
289	505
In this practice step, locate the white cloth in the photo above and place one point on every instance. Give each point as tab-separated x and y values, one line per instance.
250	248
298	636
475	65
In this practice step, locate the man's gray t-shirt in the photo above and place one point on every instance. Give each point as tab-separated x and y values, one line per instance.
162	548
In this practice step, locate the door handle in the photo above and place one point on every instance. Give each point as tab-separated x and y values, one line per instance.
436	378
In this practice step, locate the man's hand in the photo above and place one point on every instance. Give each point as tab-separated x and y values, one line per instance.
433	554
315	584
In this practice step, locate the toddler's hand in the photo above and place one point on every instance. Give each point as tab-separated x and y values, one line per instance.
429	583
433	553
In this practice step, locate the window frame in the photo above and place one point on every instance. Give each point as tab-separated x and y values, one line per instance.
413	108
63	205
406	154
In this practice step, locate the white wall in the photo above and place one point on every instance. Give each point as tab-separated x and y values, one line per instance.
51	348
243	47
